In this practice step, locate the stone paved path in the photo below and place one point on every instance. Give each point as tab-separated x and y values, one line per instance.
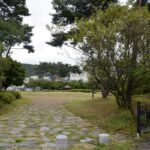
35	126
143	144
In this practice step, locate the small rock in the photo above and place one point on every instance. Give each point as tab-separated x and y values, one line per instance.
44	129
6	145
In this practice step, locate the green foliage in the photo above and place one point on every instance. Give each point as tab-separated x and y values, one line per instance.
30	69
19	140
105	114
67	11
117	49
4	66
12	30
51	69
13	8
14	75
16	94
56	69
114	146
58	85
6	98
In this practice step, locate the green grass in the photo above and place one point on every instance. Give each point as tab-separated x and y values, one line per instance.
111	146
15	103
114	146
105	114
19	140
60	95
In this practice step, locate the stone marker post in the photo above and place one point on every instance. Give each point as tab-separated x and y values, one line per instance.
103	138
61	142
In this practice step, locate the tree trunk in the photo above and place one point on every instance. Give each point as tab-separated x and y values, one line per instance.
5	88
104	91
124	100
0	85
8	51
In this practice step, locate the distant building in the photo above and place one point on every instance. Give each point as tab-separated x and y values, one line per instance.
11	88
76	77
34	77
26	80
16	88
47	78
28	89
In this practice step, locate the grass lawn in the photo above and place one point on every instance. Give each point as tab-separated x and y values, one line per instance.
111	146
105	114
61	95
15	103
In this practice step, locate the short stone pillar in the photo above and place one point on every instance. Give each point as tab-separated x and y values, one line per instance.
103	138
61	142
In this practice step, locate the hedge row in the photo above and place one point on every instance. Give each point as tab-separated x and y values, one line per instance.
58	85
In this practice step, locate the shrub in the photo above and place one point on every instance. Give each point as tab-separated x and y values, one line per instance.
6	97
58	85
16	94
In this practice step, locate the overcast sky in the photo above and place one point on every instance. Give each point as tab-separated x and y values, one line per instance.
40	10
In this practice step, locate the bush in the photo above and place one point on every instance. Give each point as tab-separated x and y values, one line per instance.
16	94
6	97
58	85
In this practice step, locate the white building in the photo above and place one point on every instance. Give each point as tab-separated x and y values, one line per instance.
47	78
16	88
76	77
26	80
34	77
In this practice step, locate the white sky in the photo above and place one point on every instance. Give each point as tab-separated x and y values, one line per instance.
40	10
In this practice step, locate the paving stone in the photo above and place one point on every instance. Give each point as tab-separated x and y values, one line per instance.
87	140
44	129
6	145
22	125
29	143
34	126
16	130
8	140
45	139
56	130
3	136
48	145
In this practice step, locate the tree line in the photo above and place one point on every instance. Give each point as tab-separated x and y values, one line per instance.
45	69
